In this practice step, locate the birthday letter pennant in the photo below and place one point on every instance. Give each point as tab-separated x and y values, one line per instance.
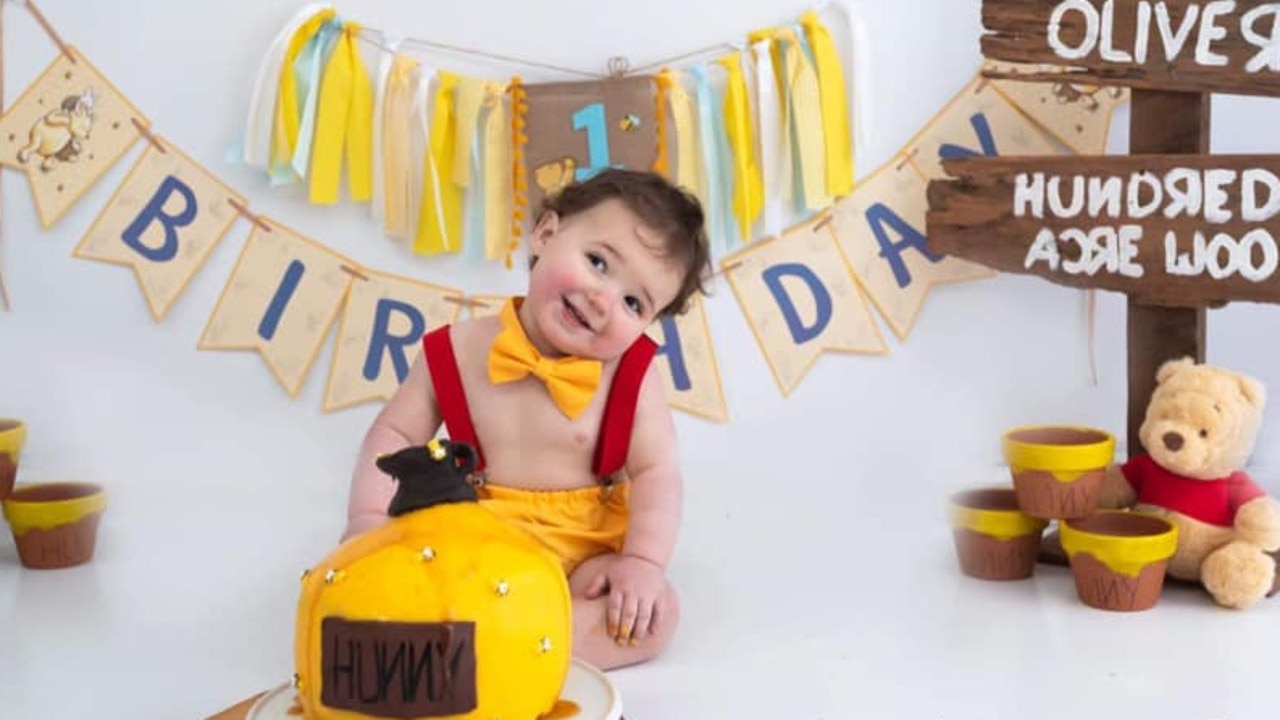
577	129
280	300
687	362
65	131
977	122
380	336
880	229
163	221
1077	115
800	301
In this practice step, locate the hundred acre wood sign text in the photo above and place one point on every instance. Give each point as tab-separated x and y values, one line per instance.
1164	229
1220	46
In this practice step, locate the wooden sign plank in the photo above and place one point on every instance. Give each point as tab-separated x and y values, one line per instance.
1170	230
1219	46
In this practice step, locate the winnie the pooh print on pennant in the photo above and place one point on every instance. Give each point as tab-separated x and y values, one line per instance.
67	129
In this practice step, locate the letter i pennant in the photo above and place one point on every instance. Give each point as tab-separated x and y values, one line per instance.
880	231
280	300
67	129
163	221
381	335
800	301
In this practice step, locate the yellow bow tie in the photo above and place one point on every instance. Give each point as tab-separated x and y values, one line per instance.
572	382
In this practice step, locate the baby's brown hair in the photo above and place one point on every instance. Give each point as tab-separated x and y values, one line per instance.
674	213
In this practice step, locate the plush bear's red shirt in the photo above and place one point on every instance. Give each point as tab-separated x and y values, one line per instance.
1211	501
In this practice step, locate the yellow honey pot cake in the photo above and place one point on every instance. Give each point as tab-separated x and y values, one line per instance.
445	611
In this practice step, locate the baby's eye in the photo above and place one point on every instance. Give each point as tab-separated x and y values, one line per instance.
634	303
597	261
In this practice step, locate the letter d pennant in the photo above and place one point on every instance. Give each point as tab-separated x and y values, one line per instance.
280	300
800	300
163	221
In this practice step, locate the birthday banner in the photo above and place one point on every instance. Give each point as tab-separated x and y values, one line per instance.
444	161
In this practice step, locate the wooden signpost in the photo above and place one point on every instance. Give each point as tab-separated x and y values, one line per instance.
1174	228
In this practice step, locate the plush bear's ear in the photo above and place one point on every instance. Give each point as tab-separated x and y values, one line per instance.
1254	392
1173	367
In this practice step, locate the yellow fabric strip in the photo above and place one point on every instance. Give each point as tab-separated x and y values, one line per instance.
397	173
470	97
688	168
805	124
359	124
835	106
331	123
285	132
748	185
496	161
440	217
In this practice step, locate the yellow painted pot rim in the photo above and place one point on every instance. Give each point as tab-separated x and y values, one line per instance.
1126	553
13	436
1060	457
25	514
999	522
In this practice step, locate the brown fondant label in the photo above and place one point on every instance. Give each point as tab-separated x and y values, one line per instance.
398	669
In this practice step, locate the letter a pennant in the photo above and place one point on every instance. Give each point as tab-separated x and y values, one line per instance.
163	221
280	300
800	300
67	129
381	335
880	230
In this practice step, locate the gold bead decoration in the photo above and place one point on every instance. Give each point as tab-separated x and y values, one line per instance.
296	681
502	588
437	450
332	576
545	645
428	554
305	573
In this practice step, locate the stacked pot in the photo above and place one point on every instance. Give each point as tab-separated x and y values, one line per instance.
1117	557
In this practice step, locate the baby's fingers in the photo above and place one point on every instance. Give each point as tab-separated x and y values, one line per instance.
630	609
613	613
644	617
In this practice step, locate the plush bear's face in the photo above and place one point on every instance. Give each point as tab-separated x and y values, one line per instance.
1202	420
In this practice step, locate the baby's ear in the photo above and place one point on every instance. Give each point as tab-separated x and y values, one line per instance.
548	225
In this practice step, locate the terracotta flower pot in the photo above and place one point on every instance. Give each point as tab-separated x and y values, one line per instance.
55	525
994	539
13	433
1058	470
1118	558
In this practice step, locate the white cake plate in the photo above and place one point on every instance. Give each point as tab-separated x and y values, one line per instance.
586	687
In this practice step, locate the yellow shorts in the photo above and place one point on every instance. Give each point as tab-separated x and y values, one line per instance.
574	524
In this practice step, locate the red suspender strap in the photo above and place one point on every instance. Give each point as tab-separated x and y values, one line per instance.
450	397
620	408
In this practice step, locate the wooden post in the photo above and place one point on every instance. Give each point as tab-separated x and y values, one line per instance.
1168	123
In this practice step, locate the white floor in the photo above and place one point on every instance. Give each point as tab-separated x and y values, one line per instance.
796	606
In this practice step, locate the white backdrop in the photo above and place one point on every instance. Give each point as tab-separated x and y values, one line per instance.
809	519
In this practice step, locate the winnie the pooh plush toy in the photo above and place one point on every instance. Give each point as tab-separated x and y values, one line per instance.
1198	433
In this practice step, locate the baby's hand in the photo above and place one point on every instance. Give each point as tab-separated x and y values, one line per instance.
636	587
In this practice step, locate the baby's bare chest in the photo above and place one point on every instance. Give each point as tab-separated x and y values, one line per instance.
526	440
